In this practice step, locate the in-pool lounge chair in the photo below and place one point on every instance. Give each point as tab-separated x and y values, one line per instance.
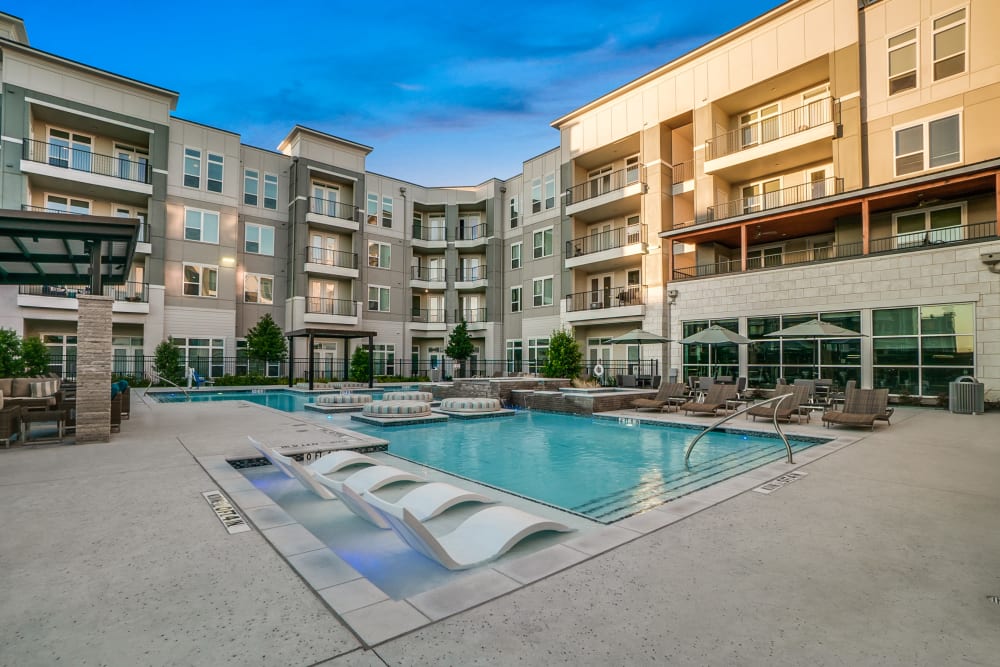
861	408
484	536
424	501
797	397
671	394
326	464
715	400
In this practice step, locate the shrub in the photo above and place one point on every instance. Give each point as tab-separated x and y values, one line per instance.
11	364
35	356
265	342
167	362
359	371
565	358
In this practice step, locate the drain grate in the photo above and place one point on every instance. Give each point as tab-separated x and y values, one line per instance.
779	482
995	599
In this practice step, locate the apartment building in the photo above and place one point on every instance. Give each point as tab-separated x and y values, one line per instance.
829	159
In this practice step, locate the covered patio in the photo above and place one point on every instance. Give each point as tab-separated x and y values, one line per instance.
345	335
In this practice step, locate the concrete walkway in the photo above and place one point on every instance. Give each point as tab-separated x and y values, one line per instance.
885	553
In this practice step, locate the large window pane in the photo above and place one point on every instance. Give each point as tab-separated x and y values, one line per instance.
758	327
944	141
850	320
898	380
946	350
896	351
894	322
764	352
910	140
951	319
798	352
936	379
840	352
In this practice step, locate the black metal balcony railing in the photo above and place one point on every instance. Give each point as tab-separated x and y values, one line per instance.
605	183
608	297
471	315
67	157
470	273
133	292
338	258
143	225
609	240
770	129
473	232
430	274
795	194
922	240
323	306
682	171
333	209
429	315
425	233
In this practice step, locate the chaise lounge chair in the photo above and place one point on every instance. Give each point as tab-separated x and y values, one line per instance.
798	395
671	394
862	408
714	401
326	464
483	537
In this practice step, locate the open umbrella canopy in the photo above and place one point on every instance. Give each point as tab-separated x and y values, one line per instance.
814	329
638	337
715	335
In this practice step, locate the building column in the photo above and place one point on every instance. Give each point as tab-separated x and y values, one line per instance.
93	369
865	227
743	248
996	192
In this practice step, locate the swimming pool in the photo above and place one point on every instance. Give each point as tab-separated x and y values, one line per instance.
598	467
281	399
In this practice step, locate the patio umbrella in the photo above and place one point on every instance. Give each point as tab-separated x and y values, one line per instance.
638	337
815	330
716	335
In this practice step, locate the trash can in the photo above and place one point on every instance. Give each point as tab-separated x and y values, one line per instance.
966	396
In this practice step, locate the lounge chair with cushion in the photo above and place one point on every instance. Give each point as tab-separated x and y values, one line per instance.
715	400
671	394
483	537
798	395
861	408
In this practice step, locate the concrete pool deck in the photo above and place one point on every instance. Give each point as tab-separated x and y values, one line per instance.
885	553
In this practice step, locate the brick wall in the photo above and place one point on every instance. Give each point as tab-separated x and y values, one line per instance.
93	369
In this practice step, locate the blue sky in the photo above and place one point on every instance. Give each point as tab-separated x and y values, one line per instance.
447	93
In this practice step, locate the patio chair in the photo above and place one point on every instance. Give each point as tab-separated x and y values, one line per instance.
861	408
425	501
798	395
715	400
669	394
705	383
741	386
626	381
328	463
483	537
10	422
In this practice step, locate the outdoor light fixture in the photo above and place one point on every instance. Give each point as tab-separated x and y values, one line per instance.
229	261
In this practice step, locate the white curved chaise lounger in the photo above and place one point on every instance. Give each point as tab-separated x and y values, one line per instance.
329	463
484	536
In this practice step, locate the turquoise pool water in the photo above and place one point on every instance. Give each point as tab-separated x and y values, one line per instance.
280	399
597	467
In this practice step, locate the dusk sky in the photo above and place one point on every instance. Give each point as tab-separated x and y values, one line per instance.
446	93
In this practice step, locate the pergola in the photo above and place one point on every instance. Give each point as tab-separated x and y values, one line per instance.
325	334
53	248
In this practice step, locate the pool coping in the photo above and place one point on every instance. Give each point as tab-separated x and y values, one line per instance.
373	617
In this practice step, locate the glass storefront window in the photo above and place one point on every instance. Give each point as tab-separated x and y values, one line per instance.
894	322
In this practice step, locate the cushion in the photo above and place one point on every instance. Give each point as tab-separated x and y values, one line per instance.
343	399
6	386
1	400
396	409
114	389
471	404
21	387
408	396
43	388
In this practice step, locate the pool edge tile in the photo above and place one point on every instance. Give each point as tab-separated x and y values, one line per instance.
352	595
384	620
541	564
463	594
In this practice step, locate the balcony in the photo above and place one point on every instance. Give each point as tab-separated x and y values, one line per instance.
431	238
475	318
426	277
682	177
429	319
332	215
322	261
912	241
795	194
82	166
130	297
470	277
607	196
320	310
610	303
607	250
472	236
796	137
143	242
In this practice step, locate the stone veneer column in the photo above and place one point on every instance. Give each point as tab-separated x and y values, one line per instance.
93	369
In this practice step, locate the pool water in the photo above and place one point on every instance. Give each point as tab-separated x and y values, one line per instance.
597	467
280	399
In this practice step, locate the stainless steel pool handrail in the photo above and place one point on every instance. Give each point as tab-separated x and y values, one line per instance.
156	377
777	403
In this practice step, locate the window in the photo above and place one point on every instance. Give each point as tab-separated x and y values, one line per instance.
378	255
201	280
633	230
251	186
70	150
192	168
903	61
536	195
515	211
550	191
769	358
941	224
930	144
67	204
515	256
245	365
205	355
214	180
324	199
515	299
384	359
632	170
271	191
765	257
378	298
132	163
760	125
760	196
541	290
372	210
131	212
542	243
258	288
201	225
949	45
538	353
514	352
387	211
259	239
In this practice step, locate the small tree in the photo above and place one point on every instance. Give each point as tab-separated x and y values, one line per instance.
460	346
11	364
35	356
265	342
359	371
167	361
564	359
